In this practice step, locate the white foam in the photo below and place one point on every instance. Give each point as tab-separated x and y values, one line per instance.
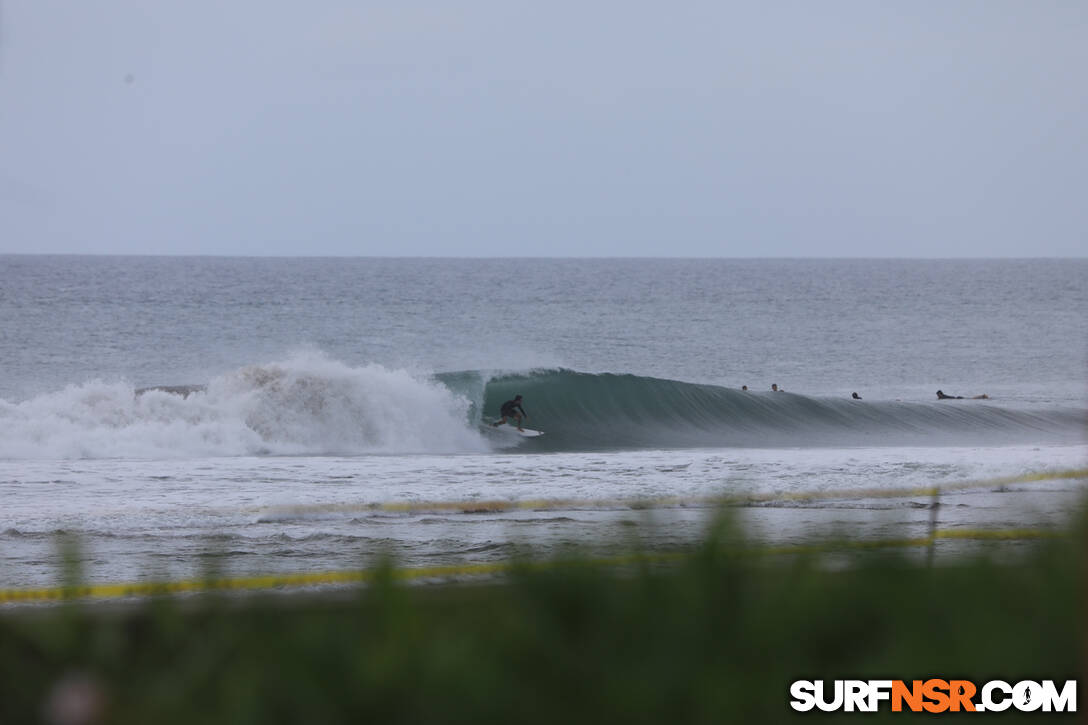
305	405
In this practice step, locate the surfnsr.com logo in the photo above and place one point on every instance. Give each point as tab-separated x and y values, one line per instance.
933	695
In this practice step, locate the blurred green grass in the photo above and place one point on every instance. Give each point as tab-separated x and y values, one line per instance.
714	637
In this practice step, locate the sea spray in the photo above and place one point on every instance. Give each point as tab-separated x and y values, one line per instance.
310	404
306	405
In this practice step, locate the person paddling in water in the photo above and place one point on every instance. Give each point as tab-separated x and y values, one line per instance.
512	409
942	396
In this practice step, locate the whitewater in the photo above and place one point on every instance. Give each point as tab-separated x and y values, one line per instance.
311	405
285	416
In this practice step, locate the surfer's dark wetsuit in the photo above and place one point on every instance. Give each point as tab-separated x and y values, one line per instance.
942	396
512	409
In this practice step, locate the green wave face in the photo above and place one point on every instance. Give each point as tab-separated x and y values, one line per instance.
589	411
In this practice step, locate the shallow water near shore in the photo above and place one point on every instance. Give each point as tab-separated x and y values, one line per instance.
152	520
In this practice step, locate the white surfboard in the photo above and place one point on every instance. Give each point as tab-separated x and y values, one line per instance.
526	433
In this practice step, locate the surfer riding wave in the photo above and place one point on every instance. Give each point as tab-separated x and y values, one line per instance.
512	409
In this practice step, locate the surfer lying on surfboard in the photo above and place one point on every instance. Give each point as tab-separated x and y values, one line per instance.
512	409
941	396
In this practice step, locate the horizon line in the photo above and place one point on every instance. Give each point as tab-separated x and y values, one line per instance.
536	257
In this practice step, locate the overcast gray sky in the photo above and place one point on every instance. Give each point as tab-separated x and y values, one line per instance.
505	128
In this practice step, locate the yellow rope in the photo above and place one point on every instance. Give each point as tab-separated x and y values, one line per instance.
116	591
499	506
275	581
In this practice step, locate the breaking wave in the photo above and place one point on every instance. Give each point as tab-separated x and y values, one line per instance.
311	405
308	405
605	410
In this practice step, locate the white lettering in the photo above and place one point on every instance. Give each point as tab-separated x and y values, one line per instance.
803	697
836	703
1065	701
856	696
1027	696
878	690
988	700
995	695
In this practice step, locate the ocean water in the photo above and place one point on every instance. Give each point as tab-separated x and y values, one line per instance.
299	415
